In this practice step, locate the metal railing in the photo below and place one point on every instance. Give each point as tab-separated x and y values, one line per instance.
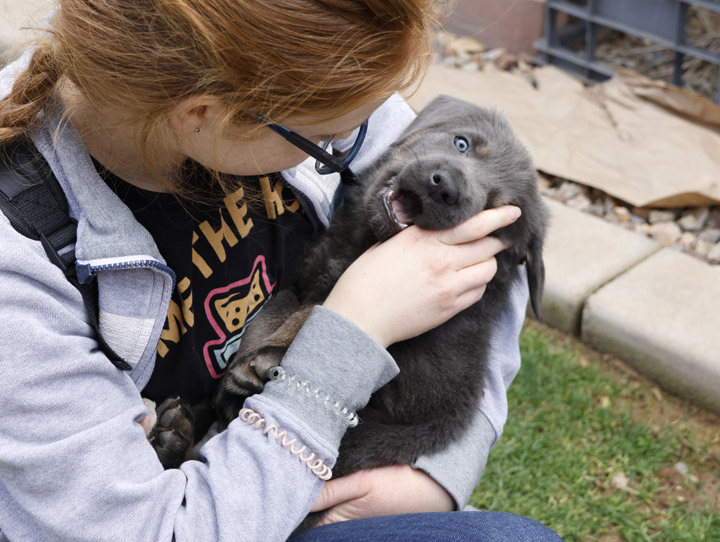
660	21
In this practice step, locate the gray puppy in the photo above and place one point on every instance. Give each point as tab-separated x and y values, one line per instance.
453	161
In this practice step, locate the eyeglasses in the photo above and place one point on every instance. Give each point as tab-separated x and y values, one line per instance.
325	163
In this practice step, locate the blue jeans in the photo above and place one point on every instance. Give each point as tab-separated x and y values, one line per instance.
439	527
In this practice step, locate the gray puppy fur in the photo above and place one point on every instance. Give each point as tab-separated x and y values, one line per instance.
453	161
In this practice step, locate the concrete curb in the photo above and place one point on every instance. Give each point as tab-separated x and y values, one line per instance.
663	318
582	254
655	308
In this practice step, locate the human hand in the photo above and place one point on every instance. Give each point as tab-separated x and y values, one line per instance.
418	279
399	489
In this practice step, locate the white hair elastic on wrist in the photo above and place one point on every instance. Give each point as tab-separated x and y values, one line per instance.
319	469
278	374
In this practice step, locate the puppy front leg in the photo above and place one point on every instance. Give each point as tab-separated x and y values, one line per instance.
173	434
247	371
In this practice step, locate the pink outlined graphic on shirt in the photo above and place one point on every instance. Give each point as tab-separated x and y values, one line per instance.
228	309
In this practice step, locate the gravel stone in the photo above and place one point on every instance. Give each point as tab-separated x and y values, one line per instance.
665	233
714	254
580	202
688	240
660	215
568	191
694	219
597	210
619	213
710	235
703	248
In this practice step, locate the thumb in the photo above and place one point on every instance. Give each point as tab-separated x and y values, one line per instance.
338	491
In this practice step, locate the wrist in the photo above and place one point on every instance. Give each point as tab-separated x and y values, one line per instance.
440	498
367	323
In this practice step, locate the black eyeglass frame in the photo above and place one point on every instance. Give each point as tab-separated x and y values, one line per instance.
325	163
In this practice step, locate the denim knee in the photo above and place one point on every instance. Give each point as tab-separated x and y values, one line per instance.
447	527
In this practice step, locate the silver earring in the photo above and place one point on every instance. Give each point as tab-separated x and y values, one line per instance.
197	130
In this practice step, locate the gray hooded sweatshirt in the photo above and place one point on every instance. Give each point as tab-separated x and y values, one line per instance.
74	461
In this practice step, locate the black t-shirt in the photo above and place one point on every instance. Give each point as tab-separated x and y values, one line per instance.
228	258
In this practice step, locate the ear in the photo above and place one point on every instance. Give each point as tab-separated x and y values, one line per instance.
193	113
439	111
536	275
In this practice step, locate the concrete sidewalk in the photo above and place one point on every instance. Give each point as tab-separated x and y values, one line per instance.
655	308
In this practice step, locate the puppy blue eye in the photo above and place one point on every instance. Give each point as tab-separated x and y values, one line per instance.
461	144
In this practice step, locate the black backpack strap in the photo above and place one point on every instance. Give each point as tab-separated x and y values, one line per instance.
35	204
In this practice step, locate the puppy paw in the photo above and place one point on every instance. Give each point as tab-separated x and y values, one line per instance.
245	376
172	437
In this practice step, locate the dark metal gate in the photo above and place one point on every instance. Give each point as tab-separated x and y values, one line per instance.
660	21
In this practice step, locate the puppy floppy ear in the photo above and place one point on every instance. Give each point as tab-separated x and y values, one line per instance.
536	274
438	111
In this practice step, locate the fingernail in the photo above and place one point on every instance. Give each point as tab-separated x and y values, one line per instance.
515	212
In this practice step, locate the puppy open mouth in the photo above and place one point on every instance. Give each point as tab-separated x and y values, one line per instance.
401	206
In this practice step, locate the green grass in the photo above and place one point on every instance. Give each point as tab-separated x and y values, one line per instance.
576	421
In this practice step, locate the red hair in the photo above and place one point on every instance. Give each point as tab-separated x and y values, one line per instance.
320	58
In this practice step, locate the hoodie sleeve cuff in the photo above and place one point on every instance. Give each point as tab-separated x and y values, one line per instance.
459	467
338	359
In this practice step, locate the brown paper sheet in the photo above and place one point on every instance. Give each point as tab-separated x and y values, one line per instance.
642	141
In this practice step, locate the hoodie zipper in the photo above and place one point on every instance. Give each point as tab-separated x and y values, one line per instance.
86	271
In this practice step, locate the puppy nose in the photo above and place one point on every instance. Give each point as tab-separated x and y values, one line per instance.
443	188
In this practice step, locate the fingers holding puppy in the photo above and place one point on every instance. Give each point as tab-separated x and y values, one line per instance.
480	225
419	279
476	253
473	250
